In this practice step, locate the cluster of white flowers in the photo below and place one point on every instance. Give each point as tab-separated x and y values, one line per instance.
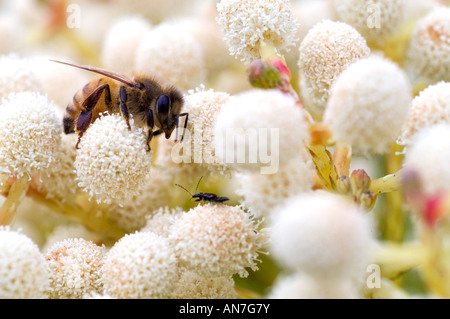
375	20
261	187
428	55
327	49
247	25
325	238
369	114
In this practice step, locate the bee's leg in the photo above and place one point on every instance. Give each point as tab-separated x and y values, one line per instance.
85	117
108	100
123	105
150	136
185	125
91	101
79	139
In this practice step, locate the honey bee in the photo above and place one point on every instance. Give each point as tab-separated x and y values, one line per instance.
150	103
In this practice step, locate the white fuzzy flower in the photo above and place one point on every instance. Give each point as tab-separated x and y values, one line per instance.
171	52
302	286
59	82
153	192
328	48
75	268
431	106
23	271
64	231
260	130
126	32
30	134
112	161
60	180
11	32
428	154
374	19
161	220
217	240
194	286
428	54
208	35
203	107
323	235
263	192
16	75
369	113
248	24
140	265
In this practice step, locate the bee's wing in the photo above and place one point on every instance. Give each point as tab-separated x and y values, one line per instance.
110	74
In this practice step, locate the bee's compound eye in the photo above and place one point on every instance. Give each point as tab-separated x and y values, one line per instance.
163	105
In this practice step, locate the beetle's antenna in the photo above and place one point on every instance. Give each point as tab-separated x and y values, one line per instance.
198	184
184	189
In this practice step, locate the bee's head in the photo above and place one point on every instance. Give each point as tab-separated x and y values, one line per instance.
167	108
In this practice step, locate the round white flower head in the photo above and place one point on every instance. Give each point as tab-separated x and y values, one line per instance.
327	49
368	104
208	35
36	220
302	286
153	193
23	271
428	155
60	180
59	82
323	235
112	161
218	240
66	231
203	107
431	106
140	265
247	24
374	19
75	268
126	32
171	52
308	13
161	220
30	134
263	192
194	286
428	54
11	33
259	129
16	75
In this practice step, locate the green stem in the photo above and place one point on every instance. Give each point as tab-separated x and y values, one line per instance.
385	184
92	218
14	197
396	259
342	158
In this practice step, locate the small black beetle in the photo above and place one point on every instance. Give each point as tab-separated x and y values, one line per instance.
205	197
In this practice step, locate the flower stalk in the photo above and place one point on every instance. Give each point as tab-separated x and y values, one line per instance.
92	217
14	197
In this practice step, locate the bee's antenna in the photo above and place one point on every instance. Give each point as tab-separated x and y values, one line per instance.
184	189
198	184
